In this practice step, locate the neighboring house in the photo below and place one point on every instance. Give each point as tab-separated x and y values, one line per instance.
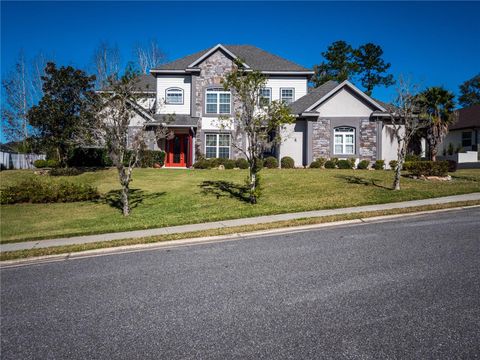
333	120
463	136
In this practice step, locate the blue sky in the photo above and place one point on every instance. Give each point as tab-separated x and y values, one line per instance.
437	43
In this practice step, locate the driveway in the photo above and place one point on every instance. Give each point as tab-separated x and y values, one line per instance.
406	288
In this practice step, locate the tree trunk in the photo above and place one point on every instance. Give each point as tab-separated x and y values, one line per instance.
125	203
396	179
253	183
401	152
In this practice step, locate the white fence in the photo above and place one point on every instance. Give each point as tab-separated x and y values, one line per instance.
18	161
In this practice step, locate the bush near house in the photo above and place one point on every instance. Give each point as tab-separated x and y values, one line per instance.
329	164
39	164
315	165
393	164
362	165
65	172
89	157
241	163
287	162
270	162
40	191
344	164
427	168
148	158
379	165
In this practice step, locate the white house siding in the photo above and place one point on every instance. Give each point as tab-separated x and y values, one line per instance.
299	84
177	81
344	103
293	142
389	144
454	137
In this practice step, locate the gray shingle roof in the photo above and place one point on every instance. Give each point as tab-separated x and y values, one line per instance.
146	82
467	118
254	57
179	120
312	97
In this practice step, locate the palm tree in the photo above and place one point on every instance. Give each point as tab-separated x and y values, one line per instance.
438	105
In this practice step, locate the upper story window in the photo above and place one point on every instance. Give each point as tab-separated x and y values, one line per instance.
217	101
174	96
265	96
287	95
344	140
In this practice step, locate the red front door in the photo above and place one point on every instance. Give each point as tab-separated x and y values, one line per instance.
177	150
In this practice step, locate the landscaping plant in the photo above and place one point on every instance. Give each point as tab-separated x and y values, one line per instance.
287	162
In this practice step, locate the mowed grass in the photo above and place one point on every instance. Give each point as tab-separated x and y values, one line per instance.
173	197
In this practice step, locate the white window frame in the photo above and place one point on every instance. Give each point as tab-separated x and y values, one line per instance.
262	96
284	99
217	145
218	92
173	90
344	132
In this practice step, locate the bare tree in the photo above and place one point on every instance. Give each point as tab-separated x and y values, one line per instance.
107	61
17	101
262	123
124	144
406	119
149	56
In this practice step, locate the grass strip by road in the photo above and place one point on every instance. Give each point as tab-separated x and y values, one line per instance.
57	250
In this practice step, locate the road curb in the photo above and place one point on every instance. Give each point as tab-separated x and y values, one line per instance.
211	239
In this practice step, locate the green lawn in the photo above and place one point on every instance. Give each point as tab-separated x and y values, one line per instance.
173	197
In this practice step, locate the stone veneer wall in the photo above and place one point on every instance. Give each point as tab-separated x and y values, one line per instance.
212	71
368	140
321	138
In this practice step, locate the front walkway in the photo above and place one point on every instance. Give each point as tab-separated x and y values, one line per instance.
231	223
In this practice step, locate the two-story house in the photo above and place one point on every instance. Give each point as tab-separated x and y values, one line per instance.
333	120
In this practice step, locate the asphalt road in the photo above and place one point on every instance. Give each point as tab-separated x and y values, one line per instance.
406	288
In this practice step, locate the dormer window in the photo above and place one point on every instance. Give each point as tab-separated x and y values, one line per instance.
174	96
217	101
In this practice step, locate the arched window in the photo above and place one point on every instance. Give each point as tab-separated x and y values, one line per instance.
344	140
217	101
174	96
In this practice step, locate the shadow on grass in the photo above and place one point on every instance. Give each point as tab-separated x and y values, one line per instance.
362	181
137	196
222	188
464	177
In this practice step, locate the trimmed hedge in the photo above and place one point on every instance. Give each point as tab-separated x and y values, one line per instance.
379	165
241	163
39	164
148	158
270	162
344	164
427	168
329	164
287	162
362	165
38	191
65	172
89	157
393	164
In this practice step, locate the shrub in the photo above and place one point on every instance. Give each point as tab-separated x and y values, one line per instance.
393	164
148	158
321	161
427	168
363	164
329	164
352	162
379	165
52	163
65	172
89	157
202	164
452	165
412	157
451	149
344	164
271	162
315	165
334	160
229	164
40	164
287	162
241	163
37	191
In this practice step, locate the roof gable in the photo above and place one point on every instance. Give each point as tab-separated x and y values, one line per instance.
252	57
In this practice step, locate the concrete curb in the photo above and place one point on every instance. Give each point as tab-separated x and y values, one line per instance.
36	244
210	239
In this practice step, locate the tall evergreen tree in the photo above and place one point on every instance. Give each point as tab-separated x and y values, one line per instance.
66	112
371	67
470	92
339	64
